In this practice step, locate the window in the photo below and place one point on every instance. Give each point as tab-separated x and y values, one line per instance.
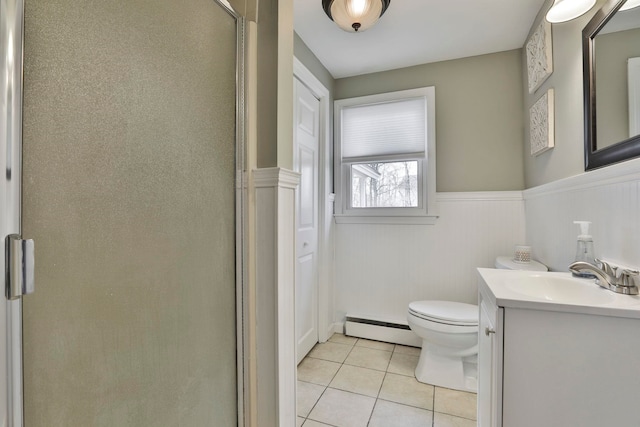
385	157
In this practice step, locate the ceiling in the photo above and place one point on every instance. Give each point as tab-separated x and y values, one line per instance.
414	32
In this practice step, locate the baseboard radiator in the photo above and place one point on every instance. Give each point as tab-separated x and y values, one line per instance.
397	332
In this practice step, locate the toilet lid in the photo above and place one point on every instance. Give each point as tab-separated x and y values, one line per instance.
507	263
455	313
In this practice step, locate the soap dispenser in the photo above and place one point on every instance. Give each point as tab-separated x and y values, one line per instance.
584	248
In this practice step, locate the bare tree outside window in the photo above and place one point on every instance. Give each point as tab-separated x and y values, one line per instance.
384	185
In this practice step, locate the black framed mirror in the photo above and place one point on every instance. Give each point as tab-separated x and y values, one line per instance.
611	44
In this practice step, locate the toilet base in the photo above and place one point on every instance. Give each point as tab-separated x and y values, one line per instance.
457	373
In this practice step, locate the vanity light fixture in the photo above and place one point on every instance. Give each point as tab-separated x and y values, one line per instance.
355	15
566	10
630	4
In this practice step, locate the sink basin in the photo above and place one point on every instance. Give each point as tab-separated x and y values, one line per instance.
562	290
554	291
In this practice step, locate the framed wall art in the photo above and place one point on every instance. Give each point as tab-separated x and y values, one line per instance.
539	56
541	125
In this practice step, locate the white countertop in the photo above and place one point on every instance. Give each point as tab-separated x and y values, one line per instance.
544	291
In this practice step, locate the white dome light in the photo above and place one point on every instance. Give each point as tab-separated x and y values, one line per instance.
355	15
566	10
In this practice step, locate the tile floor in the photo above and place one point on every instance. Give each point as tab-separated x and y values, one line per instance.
351	382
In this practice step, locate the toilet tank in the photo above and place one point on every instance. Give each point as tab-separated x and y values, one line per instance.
507	263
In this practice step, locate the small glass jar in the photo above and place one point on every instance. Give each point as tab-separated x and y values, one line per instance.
522	254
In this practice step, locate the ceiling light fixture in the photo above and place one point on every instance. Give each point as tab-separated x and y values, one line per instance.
566	10
355	15
630	4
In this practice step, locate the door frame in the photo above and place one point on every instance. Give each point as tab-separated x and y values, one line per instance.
326	198
11	71
243	381
242	305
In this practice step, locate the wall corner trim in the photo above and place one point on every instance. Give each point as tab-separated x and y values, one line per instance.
274	247
275	177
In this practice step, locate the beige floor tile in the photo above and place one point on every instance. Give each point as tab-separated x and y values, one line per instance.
454	402
311	423
378	345
307	396
343	339
343	409
369	358
331	351
403	364
299	421
317	371
358	380
389	414
404	349
407	390
444	420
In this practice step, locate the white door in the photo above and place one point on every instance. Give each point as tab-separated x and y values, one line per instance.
305	134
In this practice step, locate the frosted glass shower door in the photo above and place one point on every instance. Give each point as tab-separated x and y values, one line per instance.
129	193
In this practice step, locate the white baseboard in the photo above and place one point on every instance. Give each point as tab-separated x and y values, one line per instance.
395	332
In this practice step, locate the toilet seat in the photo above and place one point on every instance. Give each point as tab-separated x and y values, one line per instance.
445	312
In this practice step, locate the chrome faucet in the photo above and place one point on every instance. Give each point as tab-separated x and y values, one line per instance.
619	280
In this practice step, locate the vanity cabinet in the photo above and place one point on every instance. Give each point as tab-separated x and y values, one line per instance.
542	364
490	345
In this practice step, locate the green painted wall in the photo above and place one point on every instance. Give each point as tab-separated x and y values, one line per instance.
479	119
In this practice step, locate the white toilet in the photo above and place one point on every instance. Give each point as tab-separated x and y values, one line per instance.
449	333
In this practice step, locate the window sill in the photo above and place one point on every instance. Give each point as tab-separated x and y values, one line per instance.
400	220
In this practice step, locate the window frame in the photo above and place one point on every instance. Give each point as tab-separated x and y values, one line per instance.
425	212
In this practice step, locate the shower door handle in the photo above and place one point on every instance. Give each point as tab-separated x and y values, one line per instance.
20	266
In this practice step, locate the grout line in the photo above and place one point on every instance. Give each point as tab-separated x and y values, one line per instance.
377	397
389	363
454	415
375	403
315	404
381	384
330	381
433	408
331	425
323	391
412	406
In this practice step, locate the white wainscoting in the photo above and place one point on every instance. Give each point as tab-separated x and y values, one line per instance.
381	268
609	197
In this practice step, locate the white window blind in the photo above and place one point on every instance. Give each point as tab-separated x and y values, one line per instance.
388	128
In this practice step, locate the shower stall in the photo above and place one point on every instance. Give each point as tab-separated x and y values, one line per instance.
119	134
